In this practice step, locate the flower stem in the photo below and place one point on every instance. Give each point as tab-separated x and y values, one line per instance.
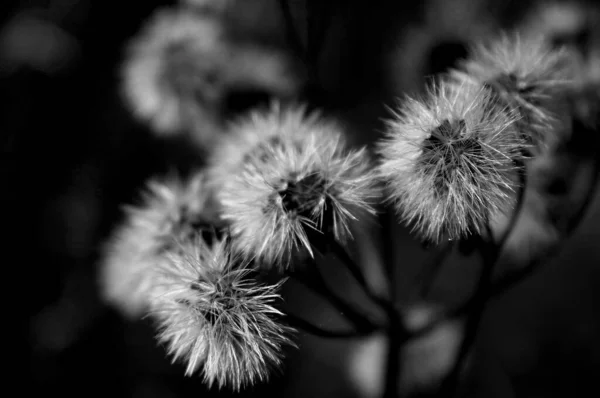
427	276
512	278
292	33
386	220
491	252
396	333
340	252
314	280
318	331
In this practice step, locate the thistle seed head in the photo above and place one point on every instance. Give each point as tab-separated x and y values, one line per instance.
448	160
285	174
214	316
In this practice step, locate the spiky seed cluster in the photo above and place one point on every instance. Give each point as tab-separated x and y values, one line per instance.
284	172
448	160
212	315
528	76
170	209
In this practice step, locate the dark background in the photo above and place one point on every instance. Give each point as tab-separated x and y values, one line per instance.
72	154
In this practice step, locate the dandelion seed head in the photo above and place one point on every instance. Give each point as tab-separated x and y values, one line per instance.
213	316
448	160
527	75
171	209
284	175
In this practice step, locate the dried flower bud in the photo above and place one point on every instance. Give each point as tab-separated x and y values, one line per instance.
214	316
284	173
448	160
171	209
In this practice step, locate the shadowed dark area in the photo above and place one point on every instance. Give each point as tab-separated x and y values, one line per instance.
445	56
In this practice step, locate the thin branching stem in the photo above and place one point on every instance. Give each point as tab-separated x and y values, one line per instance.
491	252
513	278
427	276
340	252
311	328
318	19
313	280
516	276
396	338
396	331
292	33
386	220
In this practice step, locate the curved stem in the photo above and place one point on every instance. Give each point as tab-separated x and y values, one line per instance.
429	272
396	331
488	289
307	326
317	284
318	19
292	33
386	220
396	337
340	252
515	277
491	253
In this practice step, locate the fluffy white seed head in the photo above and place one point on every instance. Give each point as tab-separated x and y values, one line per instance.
284	175
171	209
527	75
448	160
213	316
